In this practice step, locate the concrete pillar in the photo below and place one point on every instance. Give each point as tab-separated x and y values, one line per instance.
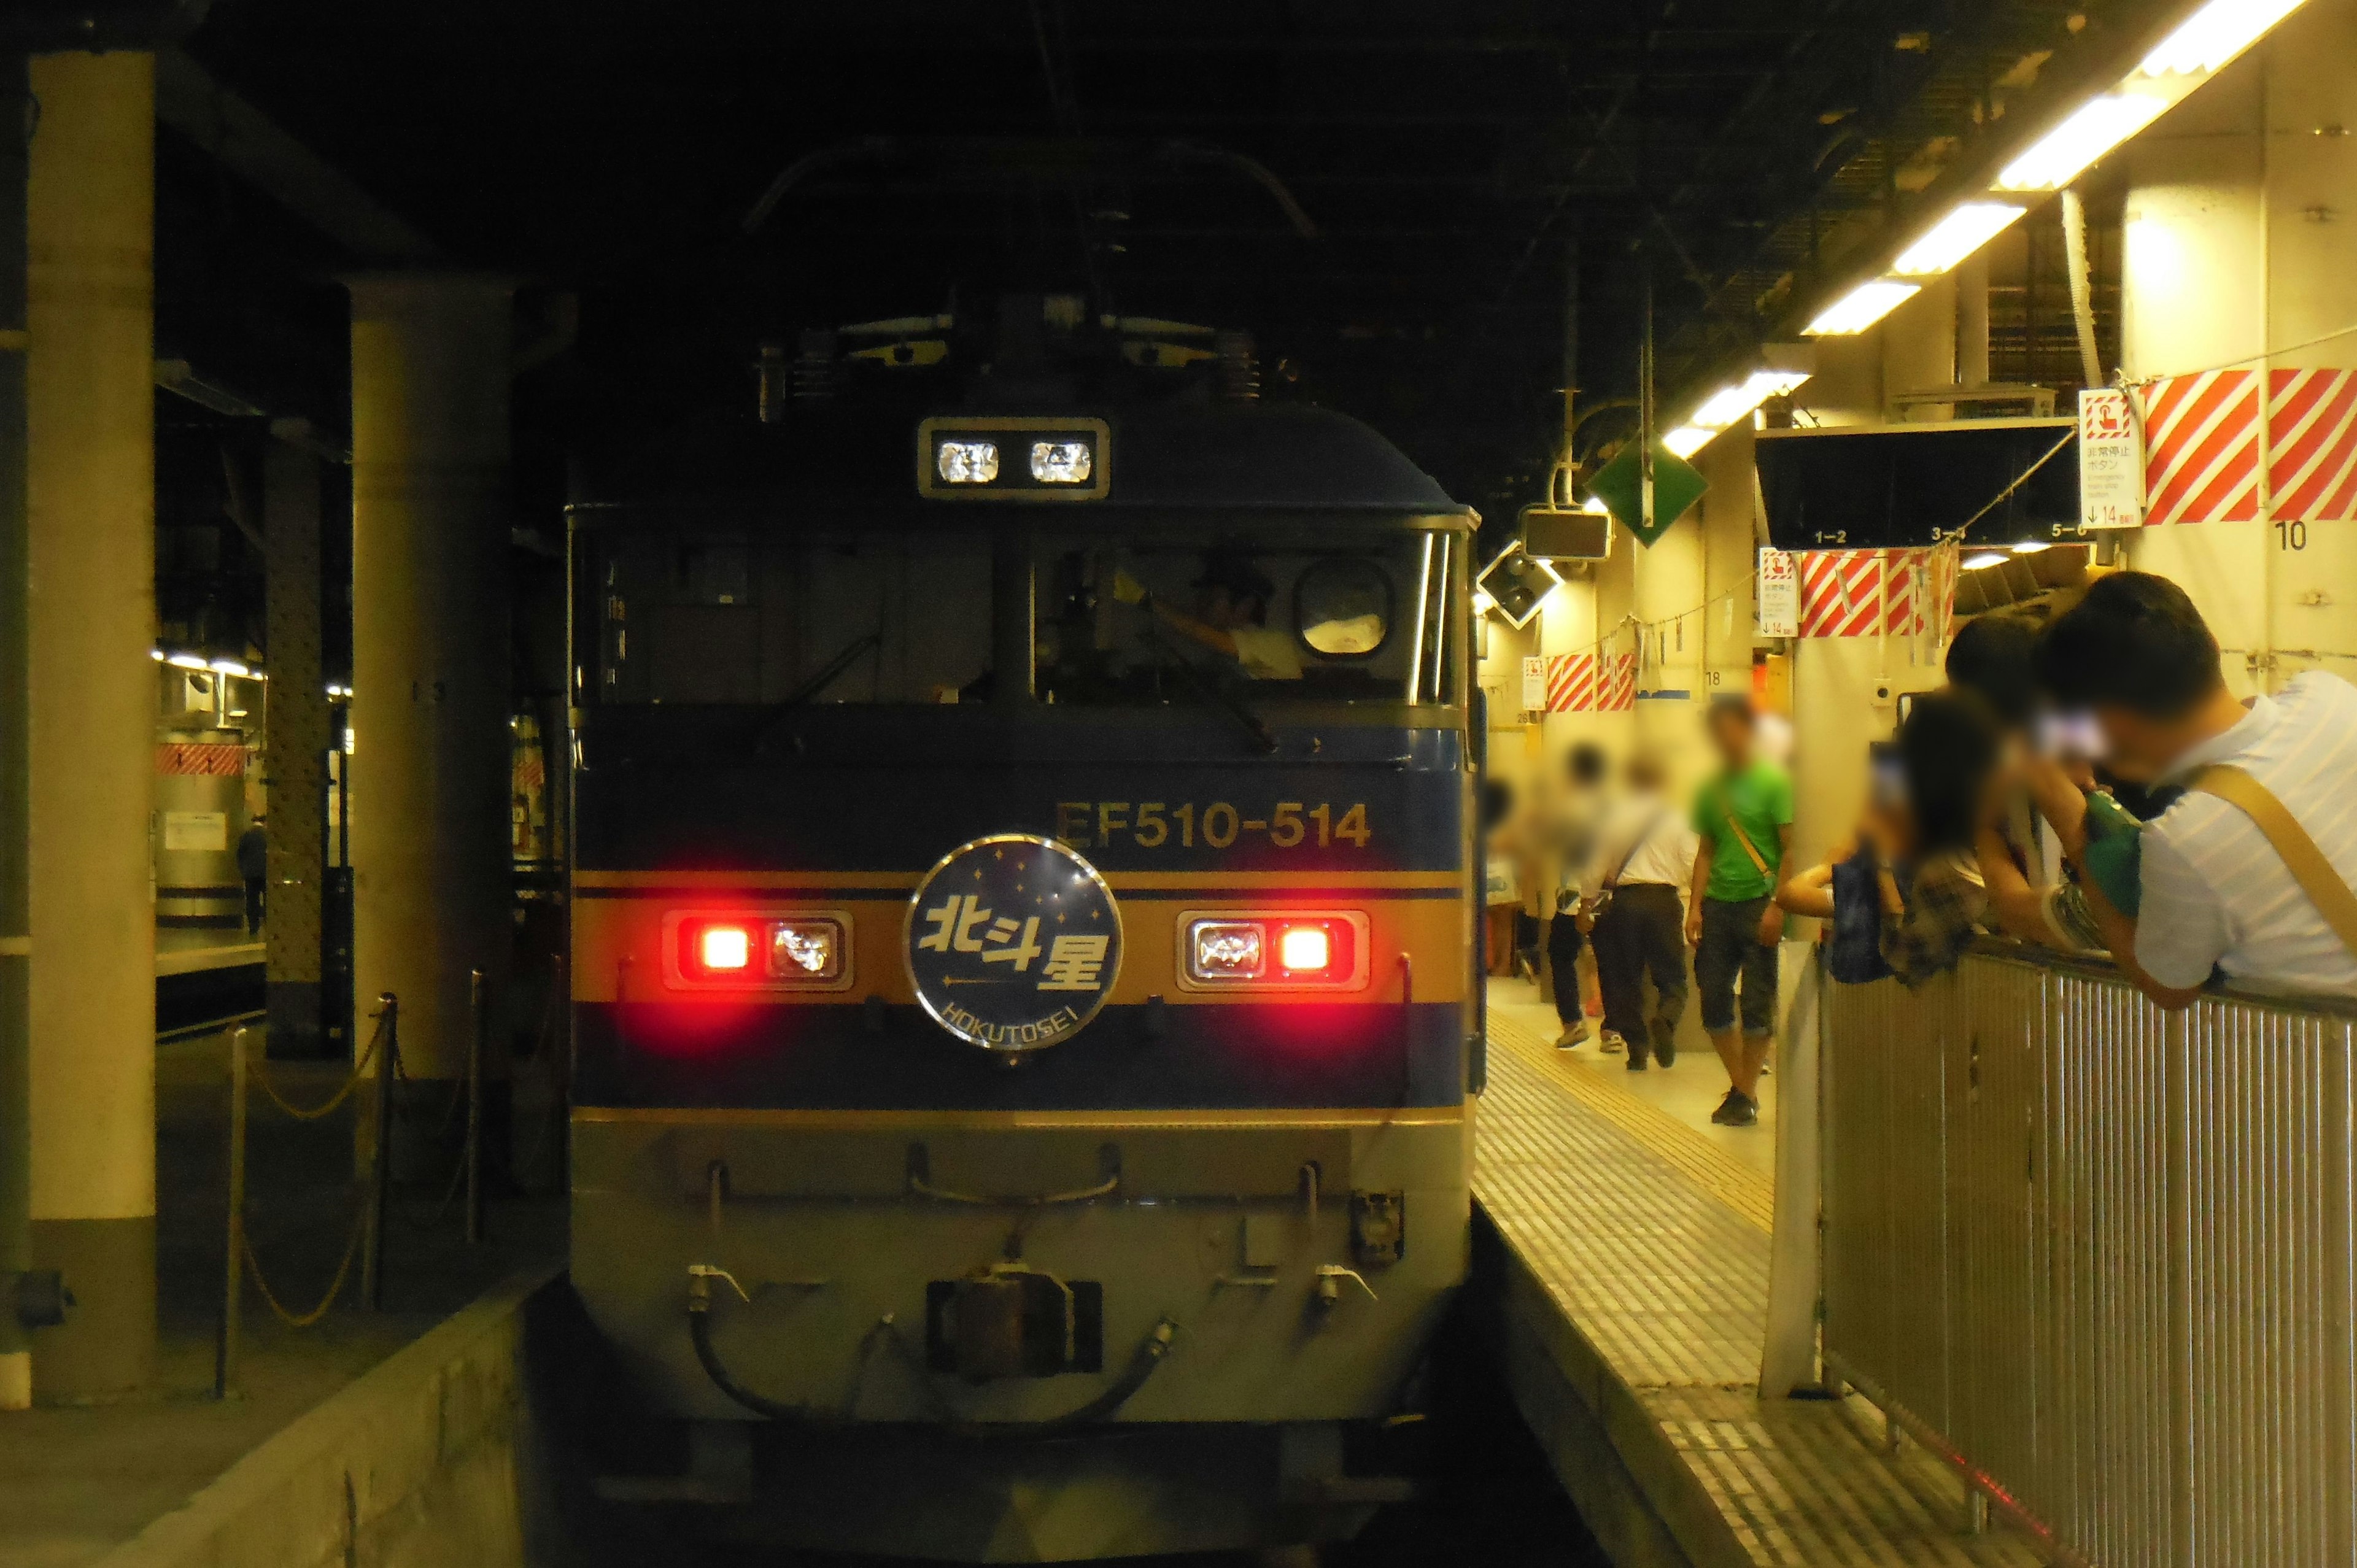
294	748
1972	319
1845	689
91	488
16	839
2241	238
1918	348
430	665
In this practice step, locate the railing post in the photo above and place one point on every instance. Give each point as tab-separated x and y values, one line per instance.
380	1174
233	1264
474	1150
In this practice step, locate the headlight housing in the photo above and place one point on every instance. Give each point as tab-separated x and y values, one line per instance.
1273	950
757	950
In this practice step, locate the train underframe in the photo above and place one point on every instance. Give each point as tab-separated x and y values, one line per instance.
1021	1336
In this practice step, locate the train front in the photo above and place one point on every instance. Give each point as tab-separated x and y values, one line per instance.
1022	975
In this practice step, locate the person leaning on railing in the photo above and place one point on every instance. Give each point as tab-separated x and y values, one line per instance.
1904	894
2247	873
2023	846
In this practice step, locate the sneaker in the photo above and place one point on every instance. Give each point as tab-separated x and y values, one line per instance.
1725	1114
1666	1043
1573	1035
1743	1112
1613	1045
1636	1062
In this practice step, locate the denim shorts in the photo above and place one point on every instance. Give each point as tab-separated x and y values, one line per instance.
1730	946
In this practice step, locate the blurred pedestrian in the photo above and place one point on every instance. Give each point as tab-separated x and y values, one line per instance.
1644	850
254	868
1743	825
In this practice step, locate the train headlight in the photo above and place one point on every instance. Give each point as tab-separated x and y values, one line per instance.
1226	949
1062	462
969	462
1274	950
1013	458
806	949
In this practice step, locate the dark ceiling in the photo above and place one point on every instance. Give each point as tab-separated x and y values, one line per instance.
1460	169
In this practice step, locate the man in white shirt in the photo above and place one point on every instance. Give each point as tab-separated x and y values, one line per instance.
2216	894
1643	851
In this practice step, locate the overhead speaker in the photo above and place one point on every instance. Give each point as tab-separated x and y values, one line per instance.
1560	533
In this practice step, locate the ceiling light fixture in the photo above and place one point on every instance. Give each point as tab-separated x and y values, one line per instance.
2100	124
2214	34
1729	405
1956	236
1861	307
1687	439
1984	561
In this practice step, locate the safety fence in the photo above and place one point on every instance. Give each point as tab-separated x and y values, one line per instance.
2100	1255
380	1066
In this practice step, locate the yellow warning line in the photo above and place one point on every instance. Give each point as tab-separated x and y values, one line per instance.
1717	1173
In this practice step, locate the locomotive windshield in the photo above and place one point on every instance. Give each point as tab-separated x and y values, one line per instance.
903	617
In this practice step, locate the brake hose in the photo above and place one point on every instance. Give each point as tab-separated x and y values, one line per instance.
1151	1353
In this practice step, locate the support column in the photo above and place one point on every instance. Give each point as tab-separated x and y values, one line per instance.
294	748
430	670
15	1061
2241	238
91	491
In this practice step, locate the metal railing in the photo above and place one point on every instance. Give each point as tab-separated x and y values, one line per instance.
2100	1256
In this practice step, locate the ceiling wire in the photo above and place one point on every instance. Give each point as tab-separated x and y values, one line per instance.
1064	108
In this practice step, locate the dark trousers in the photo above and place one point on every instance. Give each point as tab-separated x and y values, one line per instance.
1641	933
1731	947
253	886
1562	944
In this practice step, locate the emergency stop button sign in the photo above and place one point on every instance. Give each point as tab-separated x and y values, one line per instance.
1013	943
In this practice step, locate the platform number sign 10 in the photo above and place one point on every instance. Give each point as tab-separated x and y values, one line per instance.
2111	461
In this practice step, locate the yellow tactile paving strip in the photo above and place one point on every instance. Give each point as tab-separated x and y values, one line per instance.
1746	1190
1653	1246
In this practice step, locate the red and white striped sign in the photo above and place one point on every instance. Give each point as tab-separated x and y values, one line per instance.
2203	439
1570	683
1589	682
2312	445
1855	593
1619	693
2201	447
202	759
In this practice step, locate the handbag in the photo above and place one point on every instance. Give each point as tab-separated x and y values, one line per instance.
1854	949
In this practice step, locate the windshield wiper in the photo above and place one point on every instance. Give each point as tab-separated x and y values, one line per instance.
809	690
1226	702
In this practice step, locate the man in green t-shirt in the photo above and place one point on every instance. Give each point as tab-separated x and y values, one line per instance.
1744	817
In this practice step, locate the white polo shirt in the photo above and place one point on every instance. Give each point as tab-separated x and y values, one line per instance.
2215	892
1654	836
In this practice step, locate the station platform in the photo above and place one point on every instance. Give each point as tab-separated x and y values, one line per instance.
1625	1255
192	952
142	1481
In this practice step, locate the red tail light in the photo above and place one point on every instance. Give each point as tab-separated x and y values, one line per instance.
723	949
1304	949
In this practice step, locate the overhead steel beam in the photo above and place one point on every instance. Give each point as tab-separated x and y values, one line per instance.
192	102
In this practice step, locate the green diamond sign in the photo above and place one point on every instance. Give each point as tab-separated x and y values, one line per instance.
1677	485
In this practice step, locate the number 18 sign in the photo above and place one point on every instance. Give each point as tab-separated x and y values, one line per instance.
2111	461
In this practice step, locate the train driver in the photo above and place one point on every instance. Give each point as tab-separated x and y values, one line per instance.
1230	617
